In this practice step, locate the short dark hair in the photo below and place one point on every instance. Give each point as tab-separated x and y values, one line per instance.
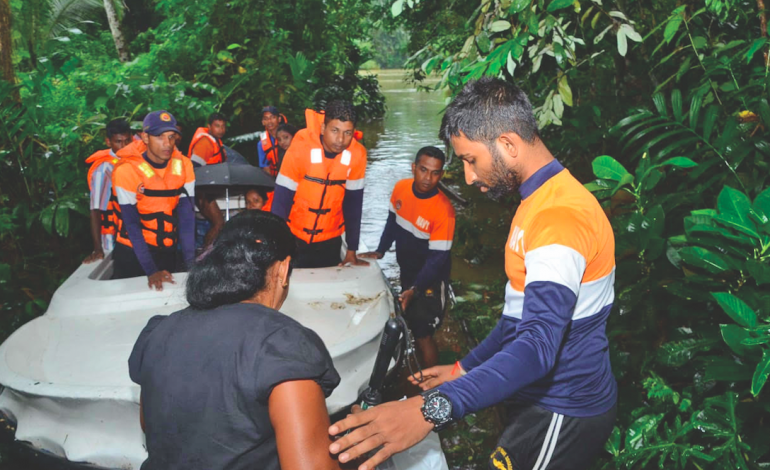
236	269
118	126
261	190
217	117
432	152
487	108
288	128
342	110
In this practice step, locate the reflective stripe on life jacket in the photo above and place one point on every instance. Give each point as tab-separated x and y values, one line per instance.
157	198
108	218
219	155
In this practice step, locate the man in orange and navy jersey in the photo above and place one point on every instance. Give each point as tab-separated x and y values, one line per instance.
103	202
422	223
320	187
548	357
155	191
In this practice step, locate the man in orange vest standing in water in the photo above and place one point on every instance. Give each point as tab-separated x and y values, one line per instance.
320	187
155	191
103	203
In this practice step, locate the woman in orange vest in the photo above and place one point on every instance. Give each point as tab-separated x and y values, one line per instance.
103	202
320	187
267	147
206	146
155	190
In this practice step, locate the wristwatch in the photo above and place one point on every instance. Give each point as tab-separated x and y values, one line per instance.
436	409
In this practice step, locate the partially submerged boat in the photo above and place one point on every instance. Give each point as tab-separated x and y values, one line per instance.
66	388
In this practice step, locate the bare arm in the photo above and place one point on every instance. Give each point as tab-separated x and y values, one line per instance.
96	236
299	417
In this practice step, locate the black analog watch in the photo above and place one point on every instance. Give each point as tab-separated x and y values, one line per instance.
436	409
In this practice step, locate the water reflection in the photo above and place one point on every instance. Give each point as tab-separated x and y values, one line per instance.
412	121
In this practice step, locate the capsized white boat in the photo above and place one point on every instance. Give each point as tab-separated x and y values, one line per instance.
65	374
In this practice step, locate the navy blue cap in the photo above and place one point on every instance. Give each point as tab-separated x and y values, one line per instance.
271	109
158	122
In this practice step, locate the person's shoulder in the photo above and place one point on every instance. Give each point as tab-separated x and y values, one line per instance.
188	165
403	185
357	148
444	205
98	155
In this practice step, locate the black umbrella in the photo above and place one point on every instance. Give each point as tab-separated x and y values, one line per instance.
230	176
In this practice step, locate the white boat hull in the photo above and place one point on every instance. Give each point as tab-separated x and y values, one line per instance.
66	374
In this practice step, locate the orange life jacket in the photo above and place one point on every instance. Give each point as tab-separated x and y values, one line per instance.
269	202
316	214
156	198
108	217
203	133
271	153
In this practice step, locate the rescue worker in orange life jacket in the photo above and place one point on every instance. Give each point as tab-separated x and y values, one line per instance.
421	221
267	147
320	188
206	148
100	185
155	190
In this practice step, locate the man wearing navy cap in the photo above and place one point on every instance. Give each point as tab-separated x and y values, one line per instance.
155	189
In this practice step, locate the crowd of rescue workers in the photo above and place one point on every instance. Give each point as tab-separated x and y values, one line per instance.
232	383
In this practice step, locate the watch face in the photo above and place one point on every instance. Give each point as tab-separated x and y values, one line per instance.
439	408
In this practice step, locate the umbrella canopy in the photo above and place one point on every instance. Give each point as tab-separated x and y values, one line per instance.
229	175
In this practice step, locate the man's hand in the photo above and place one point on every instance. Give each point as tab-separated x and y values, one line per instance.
396	426
352	260
406	298
157	279
94	256
371	254
435	376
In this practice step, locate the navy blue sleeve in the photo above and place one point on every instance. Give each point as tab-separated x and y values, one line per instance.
487	348
262	156
388	234
547	312
134	228
283	199
352	206
186	215
431	270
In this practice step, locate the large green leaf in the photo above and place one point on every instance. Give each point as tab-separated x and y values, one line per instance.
759	270
712	113
639	428
761	374
734	336
725	369
678	353
518	5
606	167
660	103
704	259
676	104
674	22
762	205
736	308
695	105
62	221
678	162
559	4
735	206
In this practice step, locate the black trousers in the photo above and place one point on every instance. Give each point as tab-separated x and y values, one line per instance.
126	264
318	255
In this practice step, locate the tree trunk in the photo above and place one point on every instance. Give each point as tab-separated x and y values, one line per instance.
6	45
117	34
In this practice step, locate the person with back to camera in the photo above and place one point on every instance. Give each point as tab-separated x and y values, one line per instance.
230	382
